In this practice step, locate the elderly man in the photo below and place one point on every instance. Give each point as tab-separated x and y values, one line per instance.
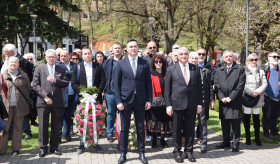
271	110
10	50
109	66
58	51
68	97
236	58
183	100
207	99
229	84
133	92
173	58
152	50
48	81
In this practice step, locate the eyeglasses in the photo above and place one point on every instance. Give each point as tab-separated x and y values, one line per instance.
51	57
251	60
158	62
152	47
201	54
75	58
278	57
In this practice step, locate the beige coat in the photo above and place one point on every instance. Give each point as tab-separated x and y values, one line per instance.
23	83
256	82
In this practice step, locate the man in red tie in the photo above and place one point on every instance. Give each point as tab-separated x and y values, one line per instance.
183	101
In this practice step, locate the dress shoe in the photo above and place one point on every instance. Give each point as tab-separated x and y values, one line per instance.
178	158
98	148
223	145
235	149
81	149
27	137
15	153
43	153
56	152
163	143
122	158
203	150
190	157
110	138
142	158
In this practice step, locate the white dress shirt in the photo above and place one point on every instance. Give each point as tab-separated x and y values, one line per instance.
49	68
88	68
131	61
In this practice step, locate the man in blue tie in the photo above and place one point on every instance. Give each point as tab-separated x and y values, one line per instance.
133	92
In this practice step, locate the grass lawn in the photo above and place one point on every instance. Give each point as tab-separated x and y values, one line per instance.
215	124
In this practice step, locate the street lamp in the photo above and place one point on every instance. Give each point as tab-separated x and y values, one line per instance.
34	17
247	30
151	21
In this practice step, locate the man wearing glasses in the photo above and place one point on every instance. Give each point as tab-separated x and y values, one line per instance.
271	110
152	50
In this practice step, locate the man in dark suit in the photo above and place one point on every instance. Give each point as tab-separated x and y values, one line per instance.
133	92
88	74
183	101
68	97
229	83
48	81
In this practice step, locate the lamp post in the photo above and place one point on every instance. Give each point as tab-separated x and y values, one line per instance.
247	30
34	17
151	21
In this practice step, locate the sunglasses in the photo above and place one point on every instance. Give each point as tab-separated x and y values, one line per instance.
176	47
278	57
75	58
201	54
29	59
158	62
251	60
152	47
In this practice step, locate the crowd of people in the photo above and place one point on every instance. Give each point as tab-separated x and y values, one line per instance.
166	93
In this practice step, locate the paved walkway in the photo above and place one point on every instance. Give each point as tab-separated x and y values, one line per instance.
248	154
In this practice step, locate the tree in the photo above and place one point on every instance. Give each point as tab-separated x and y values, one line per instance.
15	18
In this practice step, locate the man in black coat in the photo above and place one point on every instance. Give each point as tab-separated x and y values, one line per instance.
229	83
88	74
183	100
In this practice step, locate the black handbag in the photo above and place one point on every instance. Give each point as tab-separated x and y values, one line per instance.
158	102
249	101
29	100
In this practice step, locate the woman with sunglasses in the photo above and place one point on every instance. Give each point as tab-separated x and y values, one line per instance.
158	122
74	57
256	84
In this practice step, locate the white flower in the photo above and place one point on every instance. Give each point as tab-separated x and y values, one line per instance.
130	143
130	137
132	130
132	123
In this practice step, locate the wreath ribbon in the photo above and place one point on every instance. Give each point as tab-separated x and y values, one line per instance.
89	99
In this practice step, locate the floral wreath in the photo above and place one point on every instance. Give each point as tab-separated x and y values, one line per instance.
90	116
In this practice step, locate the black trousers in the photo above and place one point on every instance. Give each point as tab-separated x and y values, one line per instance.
43	116
235	124
271	112
139	114
183	119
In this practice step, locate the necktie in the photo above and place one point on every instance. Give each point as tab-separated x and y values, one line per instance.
228	68
52	71
134	67
185	74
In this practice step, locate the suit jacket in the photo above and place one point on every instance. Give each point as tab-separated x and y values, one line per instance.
97	74
125	83
68	75
230	85
177	93
44	88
